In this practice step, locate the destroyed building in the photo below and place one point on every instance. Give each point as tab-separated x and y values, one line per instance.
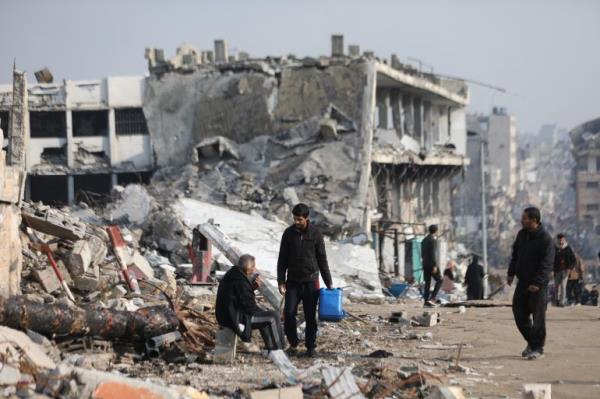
371	144
84	137
586	151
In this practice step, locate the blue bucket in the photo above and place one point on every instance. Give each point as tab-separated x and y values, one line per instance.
330	304
398	289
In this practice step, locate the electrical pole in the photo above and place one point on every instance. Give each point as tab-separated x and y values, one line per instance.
484	220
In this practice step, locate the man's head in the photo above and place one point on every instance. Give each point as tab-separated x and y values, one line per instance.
531	218
433	229
300	214
248	264
561	240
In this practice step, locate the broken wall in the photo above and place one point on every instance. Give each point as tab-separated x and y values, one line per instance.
12	180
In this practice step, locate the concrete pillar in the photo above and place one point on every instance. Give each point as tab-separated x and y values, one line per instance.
19	121
427	125
337	45
383	96
70	142
113	144
396	108
418	112
71	189
220	51
409	115
354	50
114	180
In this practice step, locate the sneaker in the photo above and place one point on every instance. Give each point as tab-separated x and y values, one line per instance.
429	304
310	352
535	355
526	351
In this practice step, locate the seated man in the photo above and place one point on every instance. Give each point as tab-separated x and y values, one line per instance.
236	306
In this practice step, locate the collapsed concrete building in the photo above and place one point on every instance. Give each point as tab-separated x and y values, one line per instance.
586	151
372	145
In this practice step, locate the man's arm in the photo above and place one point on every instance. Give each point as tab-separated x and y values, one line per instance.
322	260
571	260
512	266
282	260
246	299
546	264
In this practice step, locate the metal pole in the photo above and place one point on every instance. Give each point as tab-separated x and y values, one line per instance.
396	254
484	221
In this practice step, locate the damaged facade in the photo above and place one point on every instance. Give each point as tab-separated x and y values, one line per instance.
83	137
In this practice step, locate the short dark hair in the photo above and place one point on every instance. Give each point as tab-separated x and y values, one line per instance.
433	229
533	213
559	236
301	210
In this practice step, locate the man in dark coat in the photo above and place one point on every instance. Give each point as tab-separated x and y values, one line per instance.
474	279
301	258
564	262
431	267
236	306
531	261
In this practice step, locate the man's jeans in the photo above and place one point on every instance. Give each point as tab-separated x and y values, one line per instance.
560	287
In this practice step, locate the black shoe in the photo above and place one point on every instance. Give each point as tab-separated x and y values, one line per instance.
310	352
526	351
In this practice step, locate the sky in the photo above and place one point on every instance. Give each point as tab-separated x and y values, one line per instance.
545	53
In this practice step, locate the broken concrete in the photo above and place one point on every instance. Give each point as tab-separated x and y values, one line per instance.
79	259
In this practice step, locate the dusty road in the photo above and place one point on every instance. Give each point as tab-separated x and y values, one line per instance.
571	364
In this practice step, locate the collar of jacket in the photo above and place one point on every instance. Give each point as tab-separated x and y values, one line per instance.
535	233
308	226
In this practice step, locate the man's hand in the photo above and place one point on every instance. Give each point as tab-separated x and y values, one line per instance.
434	270
533	288
509	280
257	283
282	289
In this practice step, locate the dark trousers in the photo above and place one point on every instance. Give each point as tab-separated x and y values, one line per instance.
308	293
529	310
574	291
428	275
267	322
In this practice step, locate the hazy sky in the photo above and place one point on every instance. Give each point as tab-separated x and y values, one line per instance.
545	53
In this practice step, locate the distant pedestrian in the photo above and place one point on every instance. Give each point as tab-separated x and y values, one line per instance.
449	280
575	284
564	261
531	261
474	279
431	266
301	258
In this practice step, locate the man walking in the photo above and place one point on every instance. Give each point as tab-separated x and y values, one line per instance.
531	261
236	306
301	257
431	267
564	262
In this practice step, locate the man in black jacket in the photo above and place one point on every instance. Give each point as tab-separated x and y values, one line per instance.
301	257
564	262
236	306
431	267
532	261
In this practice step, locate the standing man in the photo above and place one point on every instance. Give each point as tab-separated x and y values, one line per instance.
301	257
431	266
236	306
531	261
564	262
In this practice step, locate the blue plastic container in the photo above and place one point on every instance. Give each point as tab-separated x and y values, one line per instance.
330	304
398	289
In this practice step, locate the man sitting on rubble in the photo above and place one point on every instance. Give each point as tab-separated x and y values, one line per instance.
431	267
301	257
236	306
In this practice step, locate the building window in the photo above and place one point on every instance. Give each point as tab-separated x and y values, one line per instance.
4	115
592	207
47	124
130	121
90	123
592	184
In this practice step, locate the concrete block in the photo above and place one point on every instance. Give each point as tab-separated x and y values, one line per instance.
225	346
290	393
427	319
80	258
354	50
89	281
439	392
537	391
142	264
47	278
337	45
65	273
98	250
